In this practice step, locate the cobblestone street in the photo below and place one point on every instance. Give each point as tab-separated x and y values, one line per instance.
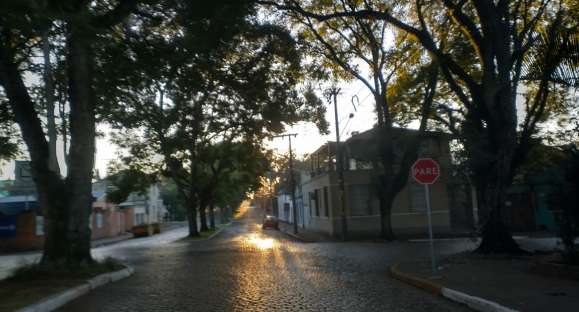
246	269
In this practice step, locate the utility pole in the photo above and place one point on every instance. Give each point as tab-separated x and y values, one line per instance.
340	168
292	180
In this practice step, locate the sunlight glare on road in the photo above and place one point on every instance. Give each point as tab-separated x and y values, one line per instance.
242	210
259	242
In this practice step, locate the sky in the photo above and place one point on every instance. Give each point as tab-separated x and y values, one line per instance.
308	137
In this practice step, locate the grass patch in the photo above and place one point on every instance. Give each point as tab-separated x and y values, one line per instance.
35	272
32	283
202	235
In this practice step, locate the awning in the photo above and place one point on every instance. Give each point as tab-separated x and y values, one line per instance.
13	205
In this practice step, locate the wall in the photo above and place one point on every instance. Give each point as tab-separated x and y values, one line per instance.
319	222
283	214
129	218
362	204
25	238
113	220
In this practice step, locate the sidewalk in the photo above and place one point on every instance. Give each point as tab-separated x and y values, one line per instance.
507	281
110	240
303	234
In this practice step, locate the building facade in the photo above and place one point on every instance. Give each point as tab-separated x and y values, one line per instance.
22	220
321	198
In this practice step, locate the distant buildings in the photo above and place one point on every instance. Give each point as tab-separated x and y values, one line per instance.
534	202
317	195
22	220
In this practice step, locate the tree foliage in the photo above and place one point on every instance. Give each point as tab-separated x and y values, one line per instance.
124	182
183	91
66	201
482	48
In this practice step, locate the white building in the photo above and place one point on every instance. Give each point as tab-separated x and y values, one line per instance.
148	208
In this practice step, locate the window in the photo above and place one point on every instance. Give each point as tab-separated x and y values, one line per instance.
25	171
326	202
352	164
139	218
99	220
286	209
417	198
311	198
317	202
359	200
39	225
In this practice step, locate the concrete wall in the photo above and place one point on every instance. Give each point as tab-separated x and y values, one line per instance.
319	222
129	219
113	222
282	200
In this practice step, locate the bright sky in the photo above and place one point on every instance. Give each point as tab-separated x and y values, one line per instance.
309	138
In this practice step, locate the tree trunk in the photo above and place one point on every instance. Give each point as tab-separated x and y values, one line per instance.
66	204
211	215
192	217
496	236
49	100
203	217
386	148
222	214
386	231
393	181
491	150
76	246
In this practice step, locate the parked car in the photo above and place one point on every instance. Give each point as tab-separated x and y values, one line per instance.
270	222
143	230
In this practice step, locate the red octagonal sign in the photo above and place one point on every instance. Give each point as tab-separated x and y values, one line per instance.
425	171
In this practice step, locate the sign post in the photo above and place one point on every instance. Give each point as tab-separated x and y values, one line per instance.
426	171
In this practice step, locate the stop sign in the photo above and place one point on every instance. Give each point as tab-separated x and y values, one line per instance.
425	171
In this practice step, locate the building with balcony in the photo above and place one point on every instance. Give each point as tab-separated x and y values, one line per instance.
321	201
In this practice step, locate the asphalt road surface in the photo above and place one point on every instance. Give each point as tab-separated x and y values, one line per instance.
247	269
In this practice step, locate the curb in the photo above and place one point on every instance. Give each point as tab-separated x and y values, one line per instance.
219	230
207	238
56	301
475	303
289	233
112	242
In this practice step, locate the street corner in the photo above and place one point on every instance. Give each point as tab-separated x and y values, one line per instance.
414	273
429	286
56	300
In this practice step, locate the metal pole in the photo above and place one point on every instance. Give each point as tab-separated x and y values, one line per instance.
292	180
340	170
293	187
429	213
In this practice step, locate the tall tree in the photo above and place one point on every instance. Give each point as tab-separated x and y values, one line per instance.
188	85
368	51
66	201
497	38
224	162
